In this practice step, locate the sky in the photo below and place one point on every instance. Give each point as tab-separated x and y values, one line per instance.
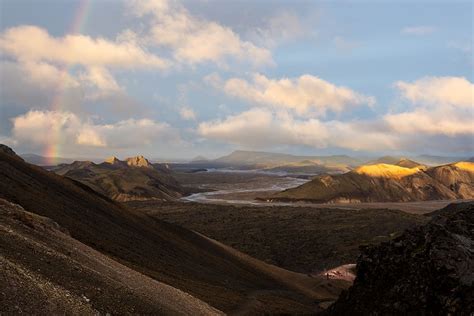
177	79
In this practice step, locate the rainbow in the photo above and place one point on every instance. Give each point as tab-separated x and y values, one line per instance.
53	150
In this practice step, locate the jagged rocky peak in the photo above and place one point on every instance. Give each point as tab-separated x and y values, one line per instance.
113	160
138	161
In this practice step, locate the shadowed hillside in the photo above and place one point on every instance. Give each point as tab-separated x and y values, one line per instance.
49	272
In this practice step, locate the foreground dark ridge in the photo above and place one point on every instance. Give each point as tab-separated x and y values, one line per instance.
429	270
164	252
46	271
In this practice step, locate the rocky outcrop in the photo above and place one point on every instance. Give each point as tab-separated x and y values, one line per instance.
429	270
114	161
138	161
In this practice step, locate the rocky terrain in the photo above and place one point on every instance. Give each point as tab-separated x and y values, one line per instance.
429	270
402	182
301	239
47	271
135	178
207	270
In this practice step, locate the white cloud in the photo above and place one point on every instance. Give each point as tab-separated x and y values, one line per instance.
440	109
43	128
305	95
262	128
440	106
187	113
194	40
418	30
435	91
32	84
101	78
74	49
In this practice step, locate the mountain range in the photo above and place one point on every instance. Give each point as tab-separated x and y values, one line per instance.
403	181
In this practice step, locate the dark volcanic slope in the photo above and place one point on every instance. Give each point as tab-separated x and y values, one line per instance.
302	239
134	179
387	183
426	271
46	271
162	251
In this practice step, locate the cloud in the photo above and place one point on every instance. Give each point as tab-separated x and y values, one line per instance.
456	91
74	49
418	30
439	106
32	84
196	40
305	94
187	113
281	27
100	78
263	128
439	117
39	129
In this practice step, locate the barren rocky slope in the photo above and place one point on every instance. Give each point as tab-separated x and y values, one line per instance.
46	271
429	270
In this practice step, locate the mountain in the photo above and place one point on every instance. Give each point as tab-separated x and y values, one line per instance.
138	161
387	183
206	270
438	160
133	179
41	263
199	159
286	162
45	161
397	161
426	271
390	160
257	157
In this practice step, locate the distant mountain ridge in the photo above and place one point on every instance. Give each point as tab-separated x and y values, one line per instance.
387	183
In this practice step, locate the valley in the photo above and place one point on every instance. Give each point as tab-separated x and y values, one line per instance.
240	158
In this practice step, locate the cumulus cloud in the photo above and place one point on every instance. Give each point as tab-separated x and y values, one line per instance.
263	128
439	106
418	30
43	128
194	40
435	91
74	49
35	84
305	94
439	109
